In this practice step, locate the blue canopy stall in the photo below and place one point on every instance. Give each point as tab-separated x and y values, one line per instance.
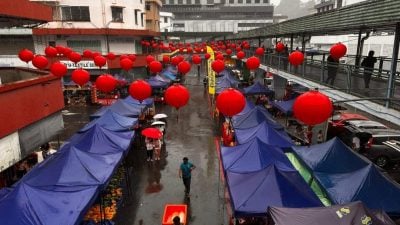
157	82
257	89
27	205
285	107
148	102
253	118
348	177
119	107
259	176
113	121
266	133
249	105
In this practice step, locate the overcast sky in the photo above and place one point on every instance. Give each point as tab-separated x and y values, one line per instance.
276	2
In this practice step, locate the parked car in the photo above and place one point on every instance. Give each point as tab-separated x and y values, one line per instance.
382	148
366	124
337	123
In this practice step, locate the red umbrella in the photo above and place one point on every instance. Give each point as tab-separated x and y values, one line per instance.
152	132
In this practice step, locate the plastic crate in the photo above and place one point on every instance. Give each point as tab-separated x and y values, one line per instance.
172	210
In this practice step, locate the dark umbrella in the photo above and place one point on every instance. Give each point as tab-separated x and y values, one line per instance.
152	132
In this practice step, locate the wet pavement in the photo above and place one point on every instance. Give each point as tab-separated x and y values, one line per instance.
154	184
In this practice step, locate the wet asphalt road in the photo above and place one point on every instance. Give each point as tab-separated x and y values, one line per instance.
154	184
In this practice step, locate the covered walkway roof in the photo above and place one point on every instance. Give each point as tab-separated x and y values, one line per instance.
374	15
24	13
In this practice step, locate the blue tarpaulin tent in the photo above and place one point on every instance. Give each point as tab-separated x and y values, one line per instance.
347	177
169	72
265	133
253	118
27	205
256	89
119	107
145	103
157	82
259	175
249	105
113	121
284	106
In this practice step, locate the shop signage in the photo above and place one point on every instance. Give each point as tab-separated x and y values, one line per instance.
82	64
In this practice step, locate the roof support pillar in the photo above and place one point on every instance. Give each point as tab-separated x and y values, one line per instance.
291	43
393	66
303	43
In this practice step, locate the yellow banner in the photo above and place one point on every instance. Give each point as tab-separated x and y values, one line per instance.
211	73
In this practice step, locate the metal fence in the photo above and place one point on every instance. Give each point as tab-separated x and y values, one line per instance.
349	78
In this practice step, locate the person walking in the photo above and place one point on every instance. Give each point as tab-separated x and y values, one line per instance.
185	172
333	65
368	64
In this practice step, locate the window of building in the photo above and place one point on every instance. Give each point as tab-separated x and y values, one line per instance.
52	43
81	45
248	1
197	2
231	1
165	19
141	18
189	2
265	1
257	1
165	30
136	16
180	2
171	2
240	1
117	15
163	2
210	2
75	13
148	7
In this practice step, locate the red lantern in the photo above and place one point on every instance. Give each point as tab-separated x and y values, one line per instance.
177	96
189	50
218	66
121	57
312	108
155	67
228	51
58	69
80	76
66	51
106	83
100	61
111	56
238	49
60	49
165	59
74	57
95	54
196	59
296	58
132	57
87	53
126	64
220	57
50	51
230	102
184	67
252	63
240	55
40	62
279	47
259	51
149	59
207	56
338	50
246	46
140	90
175	60
25	55
180	58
